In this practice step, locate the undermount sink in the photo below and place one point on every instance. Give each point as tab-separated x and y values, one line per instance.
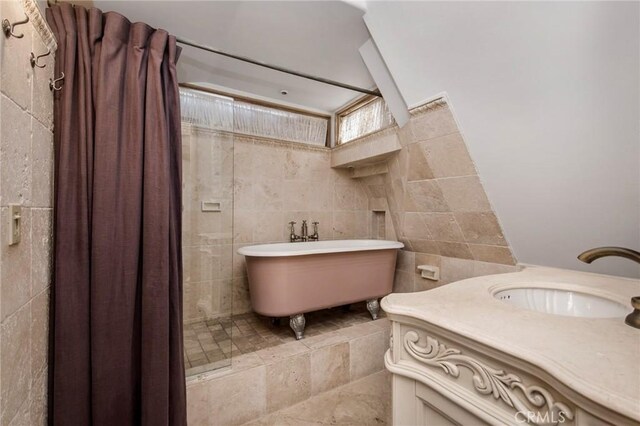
562	302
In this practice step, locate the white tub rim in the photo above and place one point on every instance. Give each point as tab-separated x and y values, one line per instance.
317	247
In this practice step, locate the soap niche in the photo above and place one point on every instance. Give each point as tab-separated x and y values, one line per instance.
378	231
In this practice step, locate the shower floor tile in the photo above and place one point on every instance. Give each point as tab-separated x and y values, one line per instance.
211	343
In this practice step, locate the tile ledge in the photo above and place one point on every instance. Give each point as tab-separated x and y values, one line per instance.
360	140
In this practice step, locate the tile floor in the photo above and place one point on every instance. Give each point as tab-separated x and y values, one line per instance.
211	344
363	402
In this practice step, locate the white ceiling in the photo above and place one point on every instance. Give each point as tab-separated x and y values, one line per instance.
315	37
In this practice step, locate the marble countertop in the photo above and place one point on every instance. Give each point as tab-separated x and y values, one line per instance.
597	358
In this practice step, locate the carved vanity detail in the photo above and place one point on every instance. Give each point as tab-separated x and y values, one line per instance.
444	375
529	401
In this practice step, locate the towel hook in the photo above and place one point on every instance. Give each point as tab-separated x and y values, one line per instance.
34	59
52	83
7	27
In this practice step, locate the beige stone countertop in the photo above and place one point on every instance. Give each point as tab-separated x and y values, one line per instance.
597	358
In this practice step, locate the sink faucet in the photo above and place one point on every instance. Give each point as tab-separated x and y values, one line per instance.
596	253
633	319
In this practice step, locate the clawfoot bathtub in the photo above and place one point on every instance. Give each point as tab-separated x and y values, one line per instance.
290	279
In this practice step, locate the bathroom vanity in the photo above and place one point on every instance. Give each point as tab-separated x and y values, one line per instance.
541	346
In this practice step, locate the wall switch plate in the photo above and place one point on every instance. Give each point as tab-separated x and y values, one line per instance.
15	228
429	272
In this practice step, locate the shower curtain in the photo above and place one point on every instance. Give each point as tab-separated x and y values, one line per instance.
116	311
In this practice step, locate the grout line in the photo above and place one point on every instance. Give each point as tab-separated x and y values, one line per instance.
443	178
23	109
324	393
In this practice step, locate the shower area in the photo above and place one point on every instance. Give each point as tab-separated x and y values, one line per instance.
207	228
211	123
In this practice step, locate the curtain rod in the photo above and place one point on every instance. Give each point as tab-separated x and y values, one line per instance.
277	68
265	65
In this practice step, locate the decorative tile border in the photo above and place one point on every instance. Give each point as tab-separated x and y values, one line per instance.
280	143
429	106
36	17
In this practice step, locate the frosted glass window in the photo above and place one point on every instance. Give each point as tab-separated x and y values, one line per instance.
366	119
222	113
206	110
273	123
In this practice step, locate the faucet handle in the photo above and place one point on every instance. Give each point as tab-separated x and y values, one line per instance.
315	236
292	223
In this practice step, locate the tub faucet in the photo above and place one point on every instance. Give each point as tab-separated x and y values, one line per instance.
304	231
292	233
633	319
314	236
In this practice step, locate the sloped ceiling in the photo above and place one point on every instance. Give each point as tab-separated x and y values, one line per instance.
546	96
315	37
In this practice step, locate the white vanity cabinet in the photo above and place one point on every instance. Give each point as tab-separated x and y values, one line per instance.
442	375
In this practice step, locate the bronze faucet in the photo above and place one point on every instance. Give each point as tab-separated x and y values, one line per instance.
315	236
292	233
633	319
294	238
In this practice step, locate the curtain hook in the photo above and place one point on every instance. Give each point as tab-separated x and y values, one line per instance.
7	27
52	83
34	59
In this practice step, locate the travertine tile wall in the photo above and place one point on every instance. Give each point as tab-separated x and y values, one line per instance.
261	186
408	278
428	196
278	182
207	239
26	164
436	196
439	209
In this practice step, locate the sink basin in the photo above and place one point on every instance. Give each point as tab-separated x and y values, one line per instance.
563	302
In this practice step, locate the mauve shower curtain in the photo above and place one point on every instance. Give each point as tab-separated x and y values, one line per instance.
116	318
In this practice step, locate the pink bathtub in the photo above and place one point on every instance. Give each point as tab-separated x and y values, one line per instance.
289	279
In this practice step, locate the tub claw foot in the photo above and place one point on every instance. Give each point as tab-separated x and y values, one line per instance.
297	322
373	306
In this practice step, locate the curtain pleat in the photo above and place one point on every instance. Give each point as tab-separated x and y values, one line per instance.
116	330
